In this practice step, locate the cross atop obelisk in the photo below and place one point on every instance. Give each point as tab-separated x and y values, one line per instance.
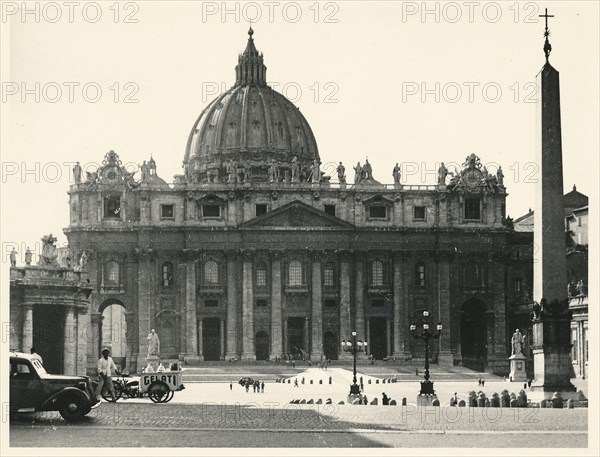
547	45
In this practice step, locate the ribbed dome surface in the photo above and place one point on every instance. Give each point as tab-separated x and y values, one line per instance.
250	124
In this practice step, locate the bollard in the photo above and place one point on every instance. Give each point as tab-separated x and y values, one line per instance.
393	403
505	399
514	403
328	401
369	381
329	379
289	381
377	381
487	403
522	398
543	404
310	402
319	402
341	403
435	402
311	381
320	381
481	400
403	401
570	404
461	403
373	402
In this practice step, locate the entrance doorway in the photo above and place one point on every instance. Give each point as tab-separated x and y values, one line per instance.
48	336
330	345
296	337
473	335
261	342
113	333
211	339
378	336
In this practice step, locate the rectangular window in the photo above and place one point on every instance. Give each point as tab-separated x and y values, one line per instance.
330	302
328	280
167	211
261	303
261	277
377	302
211	303
377	212
211	211
419	213
112	207
261	209
329	209
472	209
518	284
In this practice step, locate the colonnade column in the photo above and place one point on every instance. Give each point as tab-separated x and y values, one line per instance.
70	342
232	293
345	321
191	321
276	330
84	332
359	297
27	332
248	352
145	308
500	360
400	323
445	356
222	338
316	351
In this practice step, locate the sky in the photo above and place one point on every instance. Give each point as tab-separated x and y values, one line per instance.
409	82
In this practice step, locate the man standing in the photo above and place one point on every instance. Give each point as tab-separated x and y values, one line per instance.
105	367
36	356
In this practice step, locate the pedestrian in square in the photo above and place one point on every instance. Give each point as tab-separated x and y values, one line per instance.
230	385
262	387
105	367
384	399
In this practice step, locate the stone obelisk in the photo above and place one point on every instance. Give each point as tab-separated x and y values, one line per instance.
551	321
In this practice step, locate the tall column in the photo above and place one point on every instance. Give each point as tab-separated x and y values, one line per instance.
389	337
84	341
248	352
27	333
191	320
285	337
276	330
316	351
367	337
307	334
345	320
145	306
400	324
552	318
499	360
222	338
445	356
359	297
232	294
70	342
200	340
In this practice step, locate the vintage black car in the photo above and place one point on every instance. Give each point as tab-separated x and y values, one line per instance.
244	381
33	389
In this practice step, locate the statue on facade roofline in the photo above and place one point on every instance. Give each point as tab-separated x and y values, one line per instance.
358	173
77	173
341	172
396	174
49	251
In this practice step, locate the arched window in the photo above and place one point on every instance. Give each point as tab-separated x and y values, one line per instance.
112	273
261	275
377	273
295	273
211	272
420	275
328	276
167	274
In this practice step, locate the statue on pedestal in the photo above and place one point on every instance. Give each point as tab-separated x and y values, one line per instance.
77	173
153	344
49	251
442	173
517	342
396	174
295	170
358	173
341	172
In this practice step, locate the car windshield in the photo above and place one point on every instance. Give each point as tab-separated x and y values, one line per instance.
39	367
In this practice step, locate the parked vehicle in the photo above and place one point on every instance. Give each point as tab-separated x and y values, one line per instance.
33	389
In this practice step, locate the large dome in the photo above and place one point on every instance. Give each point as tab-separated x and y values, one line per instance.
250	125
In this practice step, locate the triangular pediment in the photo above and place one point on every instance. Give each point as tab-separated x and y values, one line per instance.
297	214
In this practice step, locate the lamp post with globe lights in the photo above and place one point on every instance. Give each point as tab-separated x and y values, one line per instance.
426	335
354	347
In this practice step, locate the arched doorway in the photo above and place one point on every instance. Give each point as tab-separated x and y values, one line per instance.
473	335
261	342
330	345
113	331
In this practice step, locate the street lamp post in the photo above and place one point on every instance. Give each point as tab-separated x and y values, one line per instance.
426	335
354	347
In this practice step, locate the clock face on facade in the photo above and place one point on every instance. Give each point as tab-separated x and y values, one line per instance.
472	178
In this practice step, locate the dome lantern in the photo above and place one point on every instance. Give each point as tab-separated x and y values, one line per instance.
250	68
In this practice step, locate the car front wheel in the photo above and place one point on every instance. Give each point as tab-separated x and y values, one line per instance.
73	408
